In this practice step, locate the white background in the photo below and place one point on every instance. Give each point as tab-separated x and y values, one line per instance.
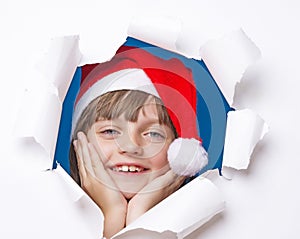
261	202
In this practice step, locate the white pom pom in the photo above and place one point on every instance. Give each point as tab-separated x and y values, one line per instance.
187	156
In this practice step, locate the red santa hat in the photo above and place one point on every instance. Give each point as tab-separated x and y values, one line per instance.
170	80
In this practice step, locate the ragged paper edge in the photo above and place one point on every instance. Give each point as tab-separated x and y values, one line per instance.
89	212
60	62
199	201
41	108
160	31
244	130
227	57
57	89
188	217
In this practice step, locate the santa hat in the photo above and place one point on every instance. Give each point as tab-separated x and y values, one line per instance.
170	80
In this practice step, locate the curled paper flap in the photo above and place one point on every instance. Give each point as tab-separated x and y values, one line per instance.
41	107
213	175
58	64
73	190
160	31
39	117
191	38
147	234
199	200
87	210
244	130
228	58
190	207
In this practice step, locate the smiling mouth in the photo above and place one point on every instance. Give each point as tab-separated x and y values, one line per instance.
128	169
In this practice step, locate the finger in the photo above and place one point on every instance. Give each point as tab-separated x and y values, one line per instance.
99	168
177	180
169	179
85	155
96	161
81	168
159	182
172	182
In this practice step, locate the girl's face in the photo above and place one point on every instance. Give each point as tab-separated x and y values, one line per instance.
133	153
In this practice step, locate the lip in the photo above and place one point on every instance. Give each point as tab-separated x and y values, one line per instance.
129	169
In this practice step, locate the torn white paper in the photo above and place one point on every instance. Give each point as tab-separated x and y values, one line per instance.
159	31
40	112
87	209
244	130
38	119
74	192
228	58
60	62
182	212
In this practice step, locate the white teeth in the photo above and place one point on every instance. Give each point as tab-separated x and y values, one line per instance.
125	168
132	168
138	169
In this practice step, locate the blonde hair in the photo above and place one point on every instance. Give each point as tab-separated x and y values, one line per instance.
110	106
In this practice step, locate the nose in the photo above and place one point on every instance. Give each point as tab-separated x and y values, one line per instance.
130	146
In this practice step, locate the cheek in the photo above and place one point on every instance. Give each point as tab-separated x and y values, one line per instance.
92	137
160	159
103	148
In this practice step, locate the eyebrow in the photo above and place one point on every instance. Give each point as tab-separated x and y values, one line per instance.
119	120
151	121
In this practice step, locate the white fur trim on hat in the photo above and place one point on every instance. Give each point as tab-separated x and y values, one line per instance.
127	79
187	156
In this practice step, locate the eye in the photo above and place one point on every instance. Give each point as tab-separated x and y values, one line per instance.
155	136
109	133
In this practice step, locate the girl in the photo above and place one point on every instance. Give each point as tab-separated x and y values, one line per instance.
122	156
127	114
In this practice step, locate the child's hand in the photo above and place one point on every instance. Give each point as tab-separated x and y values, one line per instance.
152	194
99	186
